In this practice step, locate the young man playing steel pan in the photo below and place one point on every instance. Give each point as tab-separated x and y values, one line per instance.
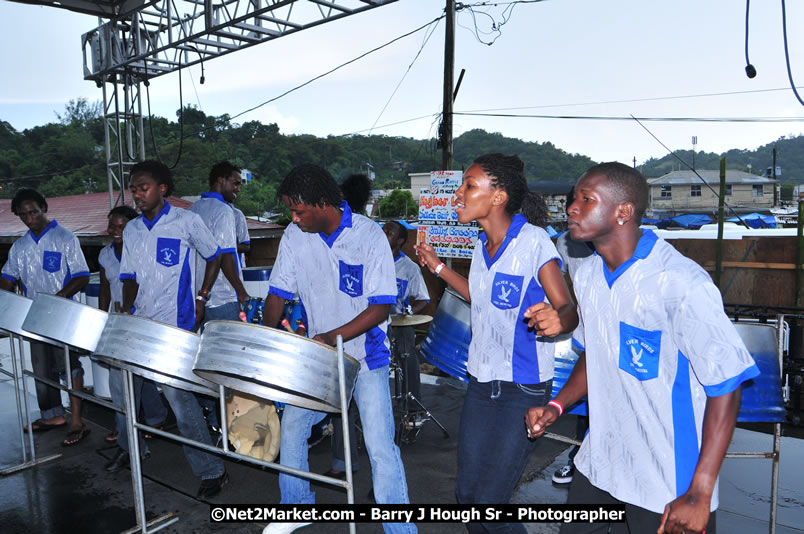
48	260
227	296
341	266
662	368
159	251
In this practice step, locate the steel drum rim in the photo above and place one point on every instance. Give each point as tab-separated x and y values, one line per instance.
21	332
279	395
270	370
125	325
284	333
149	373
94	314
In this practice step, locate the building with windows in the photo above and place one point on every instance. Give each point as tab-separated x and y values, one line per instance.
684	192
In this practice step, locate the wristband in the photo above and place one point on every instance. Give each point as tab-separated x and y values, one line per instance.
201	298
437	270
557	406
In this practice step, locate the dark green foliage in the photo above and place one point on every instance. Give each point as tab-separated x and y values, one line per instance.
399	204
68	156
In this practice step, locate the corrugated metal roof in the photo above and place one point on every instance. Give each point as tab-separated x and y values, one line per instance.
711	177
86	216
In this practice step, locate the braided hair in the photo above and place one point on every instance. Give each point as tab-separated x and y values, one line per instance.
508	173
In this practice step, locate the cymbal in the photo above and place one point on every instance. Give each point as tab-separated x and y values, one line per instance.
410	320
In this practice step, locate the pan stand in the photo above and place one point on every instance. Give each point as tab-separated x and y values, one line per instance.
168	519
23	410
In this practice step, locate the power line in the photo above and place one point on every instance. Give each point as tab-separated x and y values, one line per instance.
632	100
424	43
630	118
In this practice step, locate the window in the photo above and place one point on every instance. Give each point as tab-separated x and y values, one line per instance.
695	190
758	190
666	191
728	190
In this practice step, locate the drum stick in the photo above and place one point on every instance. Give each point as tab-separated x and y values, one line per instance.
286	324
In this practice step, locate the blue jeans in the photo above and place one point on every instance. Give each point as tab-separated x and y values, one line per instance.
145	395
47	361
192	426
373	398
338	461
227	312
493	446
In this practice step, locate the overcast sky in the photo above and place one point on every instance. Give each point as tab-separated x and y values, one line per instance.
559	57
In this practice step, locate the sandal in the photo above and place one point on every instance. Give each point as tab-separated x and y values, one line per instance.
112	437
40	426
74	436
157	426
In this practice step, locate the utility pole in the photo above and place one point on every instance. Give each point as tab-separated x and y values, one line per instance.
449	66
694	144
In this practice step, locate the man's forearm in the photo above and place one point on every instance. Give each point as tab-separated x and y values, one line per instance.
229	268
720	418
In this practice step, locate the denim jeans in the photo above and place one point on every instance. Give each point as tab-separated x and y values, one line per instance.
373	398
47	361
493	446
192	426
338	461
226	312
145	395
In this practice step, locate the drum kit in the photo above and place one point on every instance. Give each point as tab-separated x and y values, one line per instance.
254	361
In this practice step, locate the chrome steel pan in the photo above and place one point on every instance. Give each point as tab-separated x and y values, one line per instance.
154	350
13	309
272	364
65	321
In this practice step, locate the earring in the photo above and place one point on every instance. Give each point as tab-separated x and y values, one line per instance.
620	222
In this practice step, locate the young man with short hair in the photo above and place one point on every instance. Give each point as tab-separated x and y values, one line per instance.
110	298
341	267
662	368
159	252
48	260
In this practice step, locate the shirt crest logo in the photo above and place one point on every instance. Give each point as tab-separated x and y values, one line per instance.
51	261
168	251
506	291
351	279
401	288
639	351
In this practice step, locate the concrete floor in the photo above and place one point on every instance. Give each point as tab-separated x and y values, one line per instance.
74	494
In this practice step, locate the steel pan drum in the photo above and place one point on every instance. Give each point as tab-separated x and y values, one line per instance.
273	364
447	342
565	359
762	397
13	309
161	352
65	321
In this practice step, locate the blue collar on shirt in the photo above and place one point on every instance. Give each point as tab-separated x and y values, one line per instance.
643	249
399	256
517	222
214	195
150	224
51	224
346	222
114	250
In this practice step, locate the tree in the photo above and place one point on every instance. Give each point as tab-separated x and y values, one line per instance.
399	204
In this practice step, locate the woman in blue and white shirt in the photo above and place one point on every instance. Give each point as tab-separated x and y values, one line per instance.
519	303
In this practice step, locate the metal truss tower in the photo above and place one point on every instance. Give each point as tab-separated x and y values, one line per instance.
144	39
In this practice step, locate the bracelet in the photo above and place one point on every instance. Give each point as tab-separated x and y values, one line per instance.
201	298
557	406
437	270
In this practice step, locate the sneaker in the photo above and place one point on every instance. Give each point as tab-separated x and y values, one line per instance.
283	528
564	475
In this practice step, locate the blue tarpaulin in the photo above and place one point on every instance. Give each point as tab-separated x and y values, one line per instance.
756	220
691	220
